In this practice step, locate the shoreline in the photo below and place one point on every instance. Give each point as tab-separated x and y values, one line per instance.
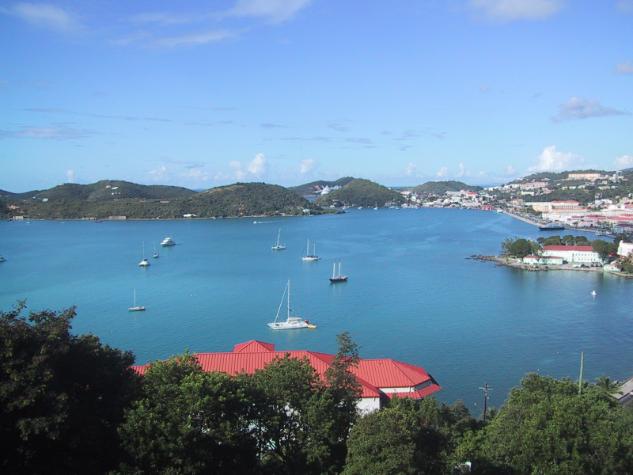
537	224
509	262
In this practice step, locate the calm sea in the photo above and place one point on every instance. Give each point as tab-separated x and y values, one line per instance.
411	294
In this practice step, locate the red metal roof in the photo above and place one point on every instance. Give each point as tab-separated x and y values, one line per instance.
567	248
372	374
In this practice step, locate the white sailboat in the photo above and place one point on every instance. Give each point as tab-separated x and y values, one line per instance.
156	255
310	257
134	307
279	246
144	262
291	322
336	274
168	242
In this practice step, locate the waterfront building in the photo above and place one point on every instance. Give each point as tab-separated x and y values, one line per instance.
380	379
573	254
625	249
589	176
543	260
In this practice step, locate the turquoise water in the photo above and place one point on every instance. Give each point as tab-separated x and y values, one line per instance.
412	295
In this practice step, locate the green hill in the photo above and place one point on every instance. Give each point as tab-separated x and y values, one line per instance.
314	187
360	192
441	187
118	198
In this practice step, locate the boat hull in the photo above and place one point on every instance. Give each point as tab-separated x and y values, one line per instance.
138	308
336	280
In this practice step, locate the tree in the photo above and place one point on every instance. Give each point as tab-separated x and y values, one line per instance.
407	437
547	427
604	248
61	396
189	421
519	247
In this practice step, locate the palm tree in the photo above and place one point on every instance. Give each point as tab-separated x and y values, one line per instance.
608	385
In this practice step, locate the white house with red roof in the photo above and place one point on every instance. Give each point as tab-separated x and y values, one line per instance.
380	379
573	254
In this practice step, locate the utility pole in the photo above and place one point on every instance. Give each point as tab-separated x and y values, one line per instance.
582	364
485	388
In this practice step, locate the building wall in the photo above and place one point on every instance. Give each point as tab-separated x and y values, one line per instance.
625	249
367	405
575	257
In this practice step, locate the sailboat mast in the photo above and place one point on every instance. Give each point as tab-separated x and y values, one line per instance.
134	298
334	270
288	318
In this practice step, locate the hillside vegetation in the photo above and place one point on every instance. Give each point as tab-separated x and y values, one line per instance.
314	187
118	198
441	187
360	192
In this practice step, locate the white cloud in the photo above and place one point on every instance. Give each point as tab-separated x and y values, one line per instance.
625	6
410	169
44	15
579	108
461	170
624	68
442	172
509	170
551	160
70	176
624	161
306	166
275	11
511	10
56	132
159	174
256	168
193	39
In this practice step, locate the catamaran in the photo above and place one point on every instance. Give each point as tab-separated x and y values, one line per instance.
279	246
291	323
134	307
310	257
144	262
336	275
168	242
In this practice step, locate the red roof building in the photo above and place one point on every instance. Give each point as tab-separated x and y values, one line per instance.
568	248
380	379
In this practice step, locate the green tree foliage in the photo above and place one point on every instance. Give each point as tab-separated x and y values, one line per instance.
519	247
189	421
604	248
100	200
416	437
567	240
61	396
547	427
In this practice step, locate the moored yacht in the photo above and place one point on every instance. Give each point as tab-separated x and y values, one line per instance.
310	257
278	246
336	274
144	262
134	307
167	242
291	322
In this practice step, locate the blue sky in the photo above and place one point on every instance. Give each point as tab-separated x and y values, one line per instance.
200	93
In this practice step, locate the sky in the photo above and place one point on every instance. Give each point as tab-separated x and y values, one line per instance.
205	93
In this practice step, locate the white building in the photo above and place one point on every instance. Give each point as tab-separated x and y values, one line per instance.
573	254
625	249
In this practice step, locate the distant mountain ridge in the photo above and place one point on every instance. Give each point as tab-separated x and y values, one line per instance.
314	187
441	187
120	198
361	192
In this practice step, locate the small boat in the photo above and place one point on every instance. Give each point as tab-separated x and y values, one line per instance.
594	294
2	259
144	262
134	307
336	275
310	257
168	242
156	255
279	246
551	227
376	207
291	322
